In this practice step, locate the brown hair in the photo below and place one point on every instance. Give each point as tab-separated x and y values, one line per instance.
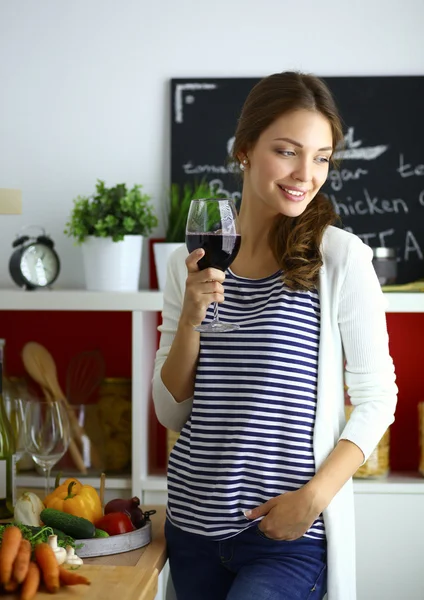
295	241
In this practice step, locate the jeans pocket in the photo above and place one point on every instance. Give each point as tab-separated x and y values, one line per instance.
264	536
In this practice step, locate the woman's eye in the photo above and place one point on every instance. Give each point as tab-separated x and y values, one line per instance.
285	152
323	159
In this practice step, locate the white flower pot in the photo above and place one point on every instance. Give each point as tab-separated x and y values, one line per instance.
112	266
162	251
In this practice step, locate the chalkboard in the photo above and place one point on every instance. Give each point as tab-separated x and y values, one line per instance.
379	188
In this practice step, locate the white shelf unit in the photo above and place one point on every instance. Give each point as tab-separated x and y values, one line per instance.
143	301
406	302
144	305
32	480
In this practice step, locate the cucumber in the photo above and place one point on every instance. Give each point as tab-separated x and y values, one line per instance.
100	533
76	527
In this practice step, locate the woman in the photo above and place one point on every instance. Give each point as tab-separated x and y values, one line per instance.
260	492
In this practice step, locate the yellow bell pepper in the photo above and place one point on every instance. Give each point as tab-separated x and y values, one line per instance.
76	499
63	487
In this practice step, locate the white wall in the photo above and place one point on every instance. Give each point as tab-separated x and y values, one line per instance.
84	84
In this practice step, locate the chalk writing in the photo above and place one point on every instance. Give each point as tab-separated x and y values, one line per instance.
370	205
337	178
216	187
231	166
178	99
410	246
355	152
406	170
192	169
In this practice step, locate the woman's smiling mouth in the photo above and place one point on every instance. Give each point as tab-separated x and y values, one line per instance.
293	194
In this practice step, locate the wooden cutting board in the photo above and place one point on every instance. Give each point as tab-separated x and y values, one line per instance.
116	583
128	576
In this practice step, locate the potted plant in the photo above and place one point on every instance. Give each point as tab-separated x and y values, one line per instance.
176	219
110	226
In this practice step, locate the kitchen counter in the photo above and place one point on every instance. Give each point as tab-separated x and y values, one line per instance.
127	576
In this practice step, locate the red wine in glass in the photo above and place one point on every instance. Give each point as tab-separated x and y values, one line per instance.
220	250
212	224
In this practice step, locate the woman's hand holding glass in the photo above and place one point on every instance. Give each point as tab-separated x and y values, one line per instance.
202	289
213	226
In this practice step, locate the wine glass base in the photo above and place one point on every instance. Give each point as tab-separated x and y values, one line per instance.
217	327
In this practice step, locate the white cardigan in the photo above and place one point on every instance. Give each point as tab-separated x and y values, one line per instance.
353	349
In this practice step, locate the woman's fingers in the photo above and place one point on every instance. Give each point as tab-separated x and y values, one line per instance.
212	287
203	287
209	274
192	260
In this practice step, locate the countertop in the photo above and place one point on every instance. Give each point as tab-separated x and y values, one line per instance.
128	576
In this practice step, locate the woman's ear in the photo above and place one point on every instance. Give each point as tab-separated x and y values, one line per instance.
243	161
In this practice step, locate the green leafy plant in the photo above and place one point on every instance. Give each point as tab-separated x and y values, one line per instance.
179	206
111	212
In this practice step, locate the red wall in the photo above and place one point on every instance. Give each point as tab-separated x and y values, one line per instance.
406	333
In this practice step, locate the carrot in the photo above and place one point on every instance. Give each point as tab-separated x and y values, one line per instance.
71	578
20	567
9	549
11	586
31	582
49	568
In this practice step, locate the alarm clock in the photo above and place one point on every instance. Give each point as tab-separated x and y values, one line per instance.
34	263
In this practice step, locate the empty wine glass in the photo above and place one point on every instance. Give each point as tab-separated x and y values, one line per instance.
47	434
213	225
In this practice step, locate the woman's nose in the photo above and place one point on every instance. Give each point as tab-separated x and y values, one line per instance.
303	171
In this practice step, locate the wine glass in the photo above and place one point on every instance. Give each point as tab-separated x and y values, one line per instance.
15	410
47	434
213	225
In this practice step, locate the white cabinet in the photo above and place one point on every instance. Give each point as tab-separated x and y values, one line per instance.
390	538
144	306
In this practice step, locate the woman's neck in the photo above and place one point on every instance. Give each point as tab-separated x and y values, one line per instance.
255	259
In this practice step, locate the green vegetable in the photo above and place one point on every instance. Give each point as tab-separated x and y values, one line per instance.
77	527
99	533
40	534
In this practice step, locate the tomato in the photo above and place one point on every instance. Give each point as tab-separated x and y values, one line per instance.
115	523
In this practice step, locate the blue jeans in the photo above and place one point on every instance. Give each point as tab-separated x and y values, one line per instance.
248	566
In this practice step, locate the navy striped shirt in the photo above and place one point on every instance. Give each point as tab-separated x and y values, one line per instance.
249	436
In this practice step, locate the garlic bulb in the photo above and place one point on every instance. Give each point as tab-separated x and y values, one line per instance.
59	552
71	557
27	509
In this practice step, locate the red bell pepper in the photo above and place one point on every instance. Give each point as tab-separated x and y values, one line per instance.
115	523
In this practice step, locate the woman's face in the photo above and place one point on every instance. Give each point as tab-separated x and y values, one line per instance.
289	163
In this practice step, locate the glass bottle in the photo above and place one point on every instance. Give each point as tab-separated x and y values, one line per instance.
7	455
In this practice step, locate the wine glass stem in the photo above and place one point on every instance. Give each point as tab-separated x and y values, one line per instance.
47	471
215	312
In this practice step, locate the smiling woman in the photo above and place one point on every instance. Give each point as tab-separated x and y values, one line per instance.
260	499
297	168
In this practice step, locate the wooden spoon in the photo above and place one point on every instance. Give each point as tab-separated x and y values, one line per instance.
102	491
